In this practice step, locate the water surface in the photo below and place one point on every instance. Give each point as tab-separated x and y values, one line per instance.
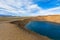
45	28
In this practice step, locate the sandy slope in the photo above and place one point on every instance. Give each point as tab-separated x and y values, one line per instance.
10	31
52	18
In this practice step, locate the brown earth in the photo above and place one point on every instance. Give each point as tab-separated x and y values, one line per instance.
52	18
10	31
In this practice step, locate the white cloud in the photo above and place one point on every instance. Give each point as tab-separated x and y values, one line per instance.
7	8
53	11
26	8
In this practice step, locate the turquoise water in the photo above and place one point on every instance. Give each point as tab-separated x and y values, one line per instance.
45	28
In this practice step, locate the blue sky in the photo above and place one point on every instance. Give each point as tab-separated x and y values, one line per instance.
29	7
47	3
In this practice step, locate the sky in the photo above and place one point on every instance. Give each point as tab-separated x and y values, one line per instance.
30	7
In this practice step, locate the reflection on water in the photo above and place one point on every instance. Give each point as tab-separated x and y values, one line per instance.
49	29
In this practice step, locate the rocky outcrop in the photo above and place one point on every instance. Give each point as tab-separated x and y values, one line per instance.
21	23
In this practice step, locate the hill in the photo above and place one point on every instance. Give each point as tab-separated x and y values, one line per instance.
1	15
50	18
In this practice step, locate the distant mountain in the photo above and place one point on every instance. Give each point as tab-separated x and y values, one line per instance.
1	15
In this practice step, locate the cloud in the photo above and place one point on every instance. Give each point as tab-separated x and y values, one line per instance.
53	11
20	7
25	8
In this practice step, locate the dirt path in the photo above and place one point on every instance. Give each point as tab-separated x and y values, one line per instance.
12	32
